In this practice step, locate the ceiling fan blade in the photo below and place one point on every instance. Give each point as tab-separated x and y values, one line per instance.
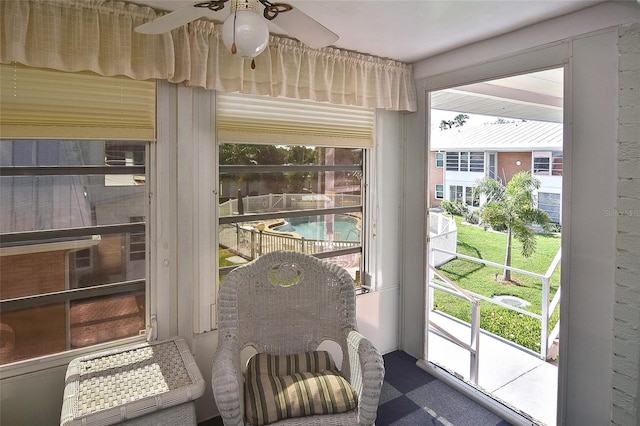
301	26
173	20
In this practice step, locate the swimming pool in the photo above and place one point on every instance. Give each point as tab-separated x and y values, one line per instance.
314	227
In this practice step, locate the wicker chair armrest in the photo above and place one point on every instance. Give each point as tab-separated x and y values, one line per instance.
366	369
228	385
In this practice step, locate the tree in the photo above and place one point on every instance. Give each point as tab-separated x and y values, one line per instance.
458	121
511	208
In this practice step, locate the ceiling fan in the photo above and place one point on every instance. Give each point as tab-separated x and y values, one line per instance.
244	32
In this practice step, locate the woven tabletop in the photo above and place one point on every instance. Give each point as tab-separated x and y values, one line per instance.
130	382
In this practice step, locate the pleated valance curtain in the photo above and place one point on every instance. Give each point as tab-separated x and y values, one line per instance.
98	36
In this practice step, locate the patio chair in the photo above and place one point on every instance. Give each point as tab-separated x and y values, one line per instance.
284	305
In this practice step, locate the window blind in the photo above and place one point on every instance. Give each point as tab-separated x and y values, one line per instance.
283	121
43	103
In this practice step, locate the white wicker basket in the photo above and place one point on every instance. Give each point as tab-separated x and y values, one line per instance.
150	383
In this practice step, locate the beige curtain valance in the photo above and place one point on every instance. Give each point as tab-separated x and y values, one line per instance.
98	36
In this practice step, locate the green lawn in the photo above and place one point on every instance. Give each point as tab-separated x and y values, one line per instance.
481	279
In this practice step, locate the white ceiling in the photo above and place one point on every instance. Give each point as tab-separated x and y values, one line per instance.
411	30
536	96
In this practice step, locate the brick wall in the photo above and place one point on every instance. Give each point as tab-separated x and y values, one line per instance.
507	164
435	178
626	340
40	330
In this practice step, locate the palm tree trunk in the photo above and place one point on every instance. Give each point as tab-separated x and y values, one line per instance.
507	261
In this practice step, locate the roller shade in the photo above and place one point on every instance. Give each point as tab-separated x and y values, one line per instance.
43	103
283	121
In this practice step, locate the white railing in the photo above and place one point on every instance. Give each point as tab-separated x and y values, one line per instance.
546	338
251	243
283	202
443	234
474	342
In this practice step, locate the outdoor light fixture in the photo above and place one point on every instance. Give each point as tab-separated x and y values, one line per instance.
245	32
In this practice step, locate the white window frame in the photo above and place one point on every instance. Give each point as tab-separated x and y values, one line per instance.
466	157
31	365
537	155
190	246
440	191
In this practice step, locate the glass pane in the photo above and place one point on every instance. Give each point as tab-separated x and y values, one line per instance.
256	188
261	195
38	203
42	330
46	200
70	153
464	161
103	319
477	162
541	166
32	332
351	262
309	234
452	161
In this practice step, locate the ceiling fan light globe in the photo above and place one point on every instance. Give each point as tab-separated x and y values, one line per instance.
251	33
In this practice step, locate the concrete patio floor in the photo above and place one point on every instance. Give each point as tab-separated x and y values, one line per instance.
511	374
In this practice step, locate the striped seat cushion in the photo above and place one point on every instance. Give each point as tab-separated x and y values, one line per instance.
280	387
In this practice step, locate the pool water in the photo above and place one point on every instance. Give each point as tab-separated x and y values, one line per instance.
314	227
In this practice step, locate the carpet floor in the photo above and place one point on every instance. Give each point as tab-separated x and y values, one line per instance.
411	397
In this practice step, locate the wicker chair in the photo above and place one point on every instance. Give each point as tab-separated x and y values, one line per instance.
286	303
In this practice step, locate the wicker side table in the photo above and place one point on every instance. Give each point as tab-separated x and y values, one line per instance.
147	384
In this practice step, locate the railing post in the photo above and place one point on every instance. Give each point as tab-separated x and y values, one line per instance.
544	331
474	362
237	236
432	257
253	244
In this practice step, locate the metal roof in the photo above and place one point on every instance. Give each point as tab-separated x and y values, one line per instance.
509	136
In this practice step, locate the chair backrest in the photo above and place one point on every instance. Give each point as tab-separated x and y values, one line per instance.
286	302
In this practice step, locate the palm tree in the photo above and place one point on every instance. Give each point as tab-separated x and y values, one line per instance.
511	208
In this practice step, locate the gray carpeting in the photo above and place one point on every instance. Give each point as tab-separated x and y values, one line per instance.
411	396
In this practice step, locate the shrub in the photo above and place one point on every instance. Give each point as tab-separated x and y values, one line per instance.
554	227
456	208
513	326
472	217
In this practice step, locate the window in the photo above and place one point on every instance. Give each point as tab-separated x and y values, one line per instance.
556	163
547	163
471	198
439	159
73	203
300	198
465	161
463	194
550	203
296	189
83	258
476	162
62	230
439	192
455	192
541	166
137	241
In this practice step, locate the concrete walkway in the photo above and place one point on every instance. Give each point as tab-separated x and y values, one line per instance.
512	374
